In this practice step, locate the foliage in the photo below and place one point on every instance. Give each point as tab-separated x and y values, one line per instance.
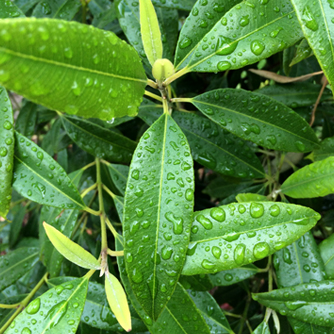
169	167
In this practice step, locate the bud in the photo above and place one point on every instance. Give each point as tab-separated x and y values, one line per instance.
162	69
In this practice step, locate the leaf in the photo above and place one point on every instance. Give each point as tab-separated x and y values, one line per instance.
15	226
314	180
161	216
15	264
315	19
26	121
40	178
201	20
295	95
41	80
117	301
263	328
217	149
196	282
327	254
26	5
58	310
309	302
238	234
70	250
177	4
326	149
9	10
119	175
303	51
242	30
250	116
211	312
150	31
249	197
104	13
57	9
98	141
6	151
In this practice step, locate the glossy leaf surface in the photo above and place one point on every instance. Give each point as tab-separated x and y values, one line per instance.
251	117
58	314
15	264
230	236
70	250
57	9
315	18
40	178
242	31
326	248
6	151
98	141
161	215
110	72
119	175
9	10
309	302
314	180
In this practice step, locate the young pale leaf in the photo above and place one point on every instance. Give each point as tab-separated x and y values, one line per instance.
6	151
150	31
251	29
91	58
327	253
117	301
314	180
58	310
263	328
315	18
309	302
161	215
70	250
57	9
98	141
258	118
238	234
9	10
40	178
15	264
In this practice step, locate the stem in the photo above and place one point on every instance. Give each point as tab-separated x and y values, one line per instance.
112	195
152	84
89	165
84	10
244	316
318	101
24	303
87	190
270	274
153	96
165	106
175	76
181	99
113	231
115	253
91	211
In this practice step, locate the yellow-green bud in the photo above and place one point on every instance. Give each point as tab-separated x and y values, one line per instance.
162	69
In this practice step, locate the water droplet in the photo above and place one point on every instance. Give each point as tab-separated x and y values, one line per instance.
218	214
139	212
241	209
8	141
185	43
287	256
166	252
7	125
205	222
231	237
3	151
309	19
135	174
223	65
26	330
261	250
216	252
256	210
206	264
170	176
272	139
295	305
136	276
68	53
34	306
239	254
257	47
76	89
189	195
300	146
225	45
244	21
57	312
274	210
176	221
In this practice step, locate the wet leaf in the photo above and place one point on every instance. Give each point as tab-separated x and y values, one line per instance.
177	4
326	250
8	9
119	175
303	51
263	328
326	149
26	121
249	197
233	235
104	14
57	9
15	226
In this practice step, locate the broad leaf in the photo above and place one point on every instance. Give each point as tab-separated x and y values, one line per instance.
6	151
249	32
326	149
9	10
315	18
98	65
263	328
119	175
258	118
230	236
177	4
15	264
40	178
158	212
70	250
314	180
26	121
98	141
57	9
58	310
309	302
326	248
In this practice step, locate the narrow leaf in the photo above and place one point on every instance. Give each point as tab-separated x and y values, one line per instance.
70	250
26	121
84	53
40	178
314	180
57	9
58	310
326	248
117	301
150	31
250	116
263	328
303	51
6	151
8	9
119	176
238	234
326	149
182	5
15	226
161	215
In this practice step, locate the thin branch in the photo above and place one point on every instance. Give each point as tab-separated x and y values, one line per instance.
318	101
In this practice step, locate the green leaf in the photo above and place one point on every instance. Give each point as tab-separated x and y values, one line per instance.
98	141
249	197
233	235
15	264
57	9
263	328
150	31
315	19
92	59
117	301
309	302
177	4
119	175
70	250
243	30
58	310
9	10
15	226
314	180
203	17
40	178
26	121
326	149
104	13
257	118
6	151
161	216
26	5
303	51
327	254
197	282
